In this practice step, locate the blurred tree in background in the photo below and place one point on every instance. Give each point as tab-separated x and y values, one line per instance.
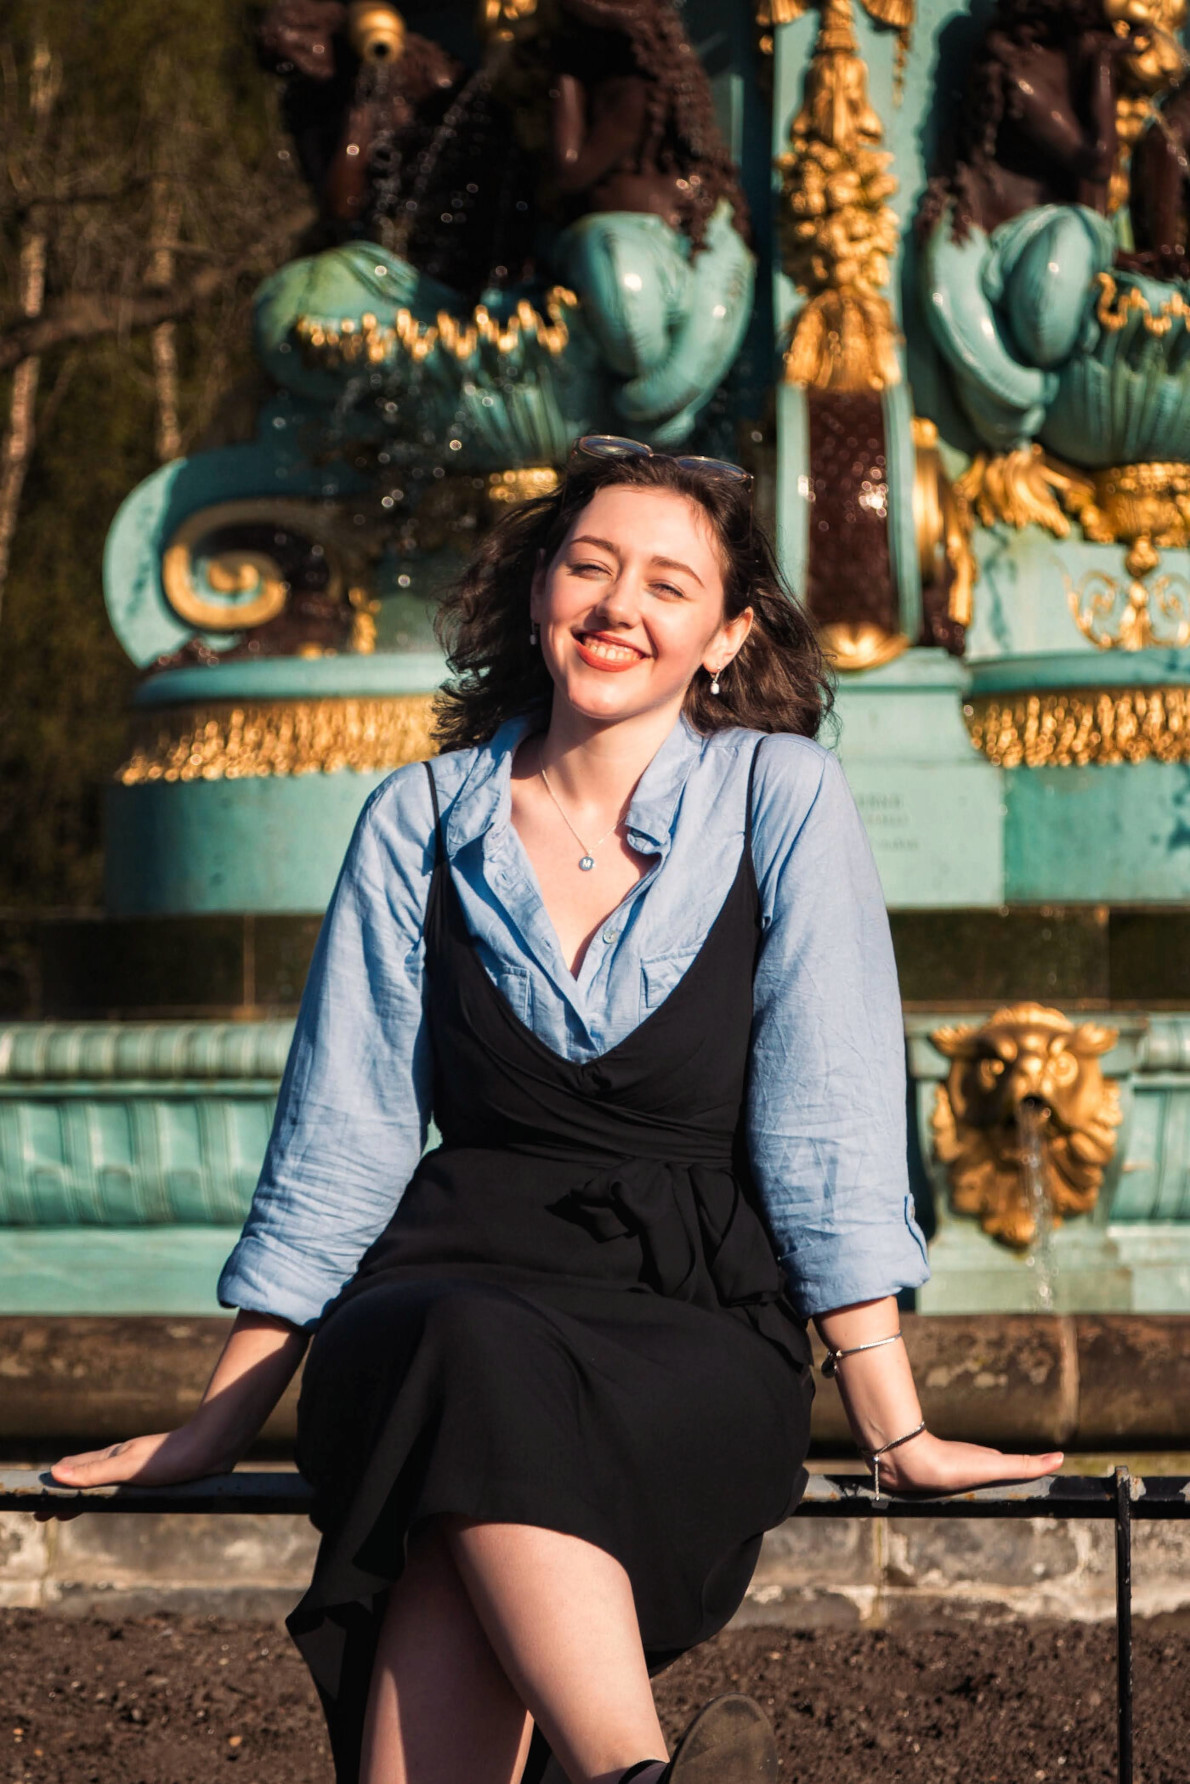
145	188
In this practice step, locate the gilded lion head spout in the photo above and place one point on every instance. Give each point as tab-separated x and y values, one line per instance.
1026	1067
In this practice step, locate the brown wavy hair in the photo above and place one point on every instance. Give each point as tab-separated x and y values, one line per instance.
778	681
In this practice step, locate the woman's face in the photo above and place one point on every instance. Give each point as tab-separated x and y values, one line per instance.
631	608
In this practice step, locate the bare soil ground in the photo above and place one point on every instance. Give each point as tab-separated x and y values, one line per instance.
179	1700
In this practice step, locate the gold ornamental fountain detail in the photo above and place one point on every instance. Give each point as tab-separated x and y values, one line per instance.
838	233
1026	1068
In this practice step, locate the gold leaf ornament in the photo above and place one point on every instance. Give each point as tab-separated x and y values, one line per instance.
1075	727
897	13
376	31
838	234
1023	488
217	585
266	739
770	13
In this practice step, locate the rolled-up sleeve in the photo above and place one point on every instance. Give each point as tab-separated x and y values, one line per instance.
826	1103
354	1103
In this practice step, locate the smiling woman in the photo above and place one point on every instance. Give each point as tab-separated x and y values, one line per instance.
640	589
624	943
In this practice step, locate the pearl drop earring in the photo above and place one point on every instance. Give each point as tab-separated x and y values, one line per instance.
532	633
715	682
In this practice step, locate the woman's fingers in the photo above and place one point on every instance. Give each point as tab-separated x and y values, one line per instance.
108	1467
1031	1467
973	1464
931	1464
97	1468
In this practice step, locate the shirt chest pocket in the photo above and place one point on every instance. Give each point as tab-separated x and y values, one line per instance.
659	976
512	982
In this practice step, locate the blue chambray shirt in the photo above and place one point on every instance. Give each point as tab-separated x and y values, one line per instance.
826	1090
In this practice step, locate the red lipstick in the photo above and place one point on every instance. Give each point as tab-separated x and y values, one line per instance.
611	665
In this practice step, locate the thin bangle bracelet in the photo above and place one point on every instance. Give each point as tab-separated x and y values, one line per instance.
834	1357
875	1455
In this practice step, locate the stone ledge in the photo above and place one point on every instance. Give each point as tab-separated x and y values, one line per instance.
1071	1381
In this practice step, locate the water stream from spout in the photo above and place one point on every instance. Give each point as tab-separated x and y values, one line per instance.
1031	1118
473	91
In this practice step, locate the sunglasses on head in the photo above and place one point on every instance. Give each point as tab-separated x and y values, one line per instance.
615	446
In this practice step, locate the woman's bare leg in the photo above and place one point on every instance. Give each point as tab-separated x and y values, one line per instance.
489	1618
440	1707
560	1615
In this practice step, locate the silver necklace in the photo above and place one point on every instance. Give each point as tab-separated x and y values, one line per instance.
587	858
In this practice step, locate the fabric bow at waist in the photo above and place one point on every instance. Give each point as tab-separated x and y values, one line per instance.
701	1240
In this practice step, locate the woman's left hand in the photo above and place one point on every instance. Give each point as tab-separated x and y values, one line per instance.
929	1464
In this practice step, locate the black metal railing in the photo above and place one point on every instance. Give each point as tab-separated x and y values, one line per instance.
1119	1497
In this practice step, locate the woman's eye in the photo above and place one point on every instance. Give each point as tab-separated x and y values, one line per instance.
667	588
579	569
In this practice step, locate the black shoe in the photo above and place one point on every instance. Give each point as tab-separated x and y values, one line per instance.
730	1741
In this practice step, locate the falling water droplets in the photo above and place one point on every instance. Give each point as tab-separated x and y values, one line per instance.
1032	1116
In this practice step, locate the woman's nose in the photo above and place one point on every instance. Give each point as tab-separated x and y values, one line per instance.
619	603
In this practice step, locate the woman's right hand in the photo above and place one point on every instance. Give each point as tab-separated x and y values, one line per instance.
157	1461
257	1363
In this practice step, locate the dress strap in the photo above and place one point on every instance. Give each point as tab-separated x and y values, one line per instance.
439	903
440	852
751	785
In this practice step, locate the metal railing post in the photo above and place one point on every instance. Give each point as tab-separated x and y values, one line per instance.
1124	1623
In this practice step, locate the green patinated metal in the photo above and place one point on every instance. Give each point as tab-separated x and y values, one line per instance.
129	1151
134	1124
262	844
128	1156
919	784
318	335
113	1270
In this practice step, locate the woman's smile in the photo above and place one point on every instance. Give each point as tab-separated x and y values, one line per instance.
604	651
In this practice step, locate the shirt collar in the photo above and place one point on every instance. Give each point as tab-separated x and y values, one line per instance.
655	802
484	801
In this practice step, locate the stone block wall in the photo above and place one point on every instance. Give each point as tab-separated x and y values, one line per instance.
129	1564
821	1573
815	1573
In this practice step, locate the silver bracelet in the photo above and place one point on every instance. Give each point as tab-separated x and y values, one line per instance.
834	1357
875	1455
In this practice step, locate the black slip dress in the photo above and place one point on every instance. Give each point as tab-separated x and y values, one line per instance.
575	1318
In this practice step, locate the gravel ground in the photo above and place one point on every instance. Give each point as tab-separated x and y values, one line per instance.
175	1700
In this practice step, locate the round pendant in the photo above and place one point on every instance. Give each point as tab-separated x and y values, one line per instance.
587	863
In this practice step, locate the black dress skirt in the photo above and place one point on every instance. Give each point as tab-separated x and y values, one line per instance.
575	1318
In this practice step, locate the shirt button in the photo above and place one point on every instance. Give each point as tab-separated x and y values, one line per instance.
609	935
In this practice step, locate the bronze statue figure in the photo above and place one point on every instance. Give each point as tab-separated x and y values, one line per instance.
632	122
1038	125
1159	190
412	151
